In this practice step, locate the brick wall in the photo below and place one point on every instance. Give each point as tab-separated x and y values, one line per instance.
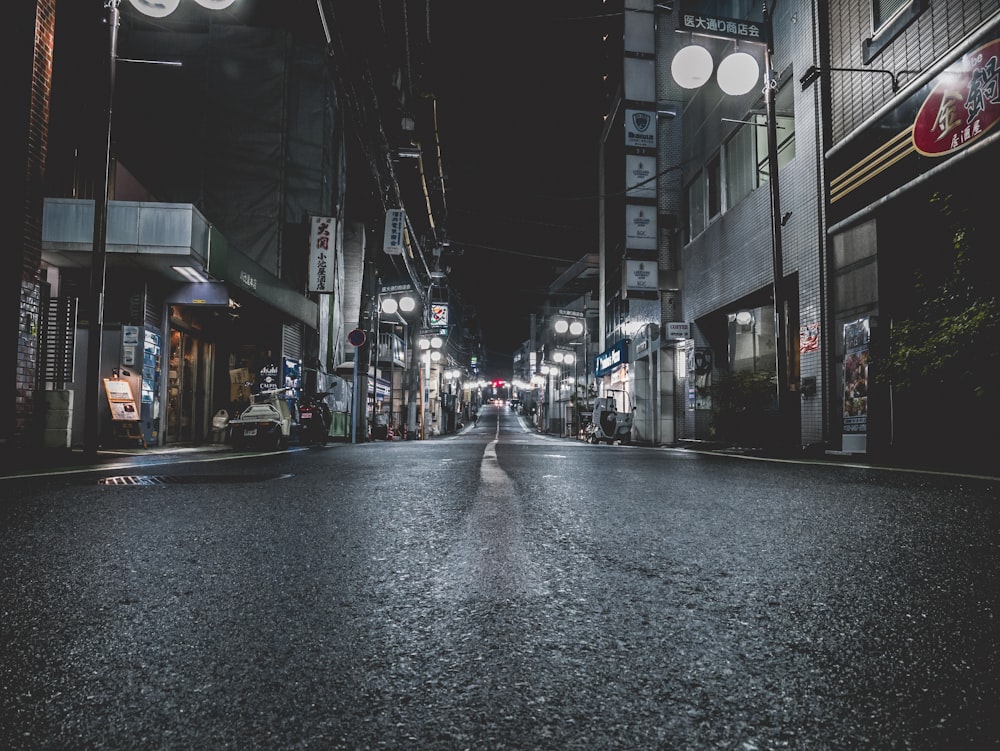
28	261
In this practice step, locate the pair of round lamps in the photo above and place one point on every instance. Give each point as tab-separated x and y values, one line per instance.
737	74
163	8
390	305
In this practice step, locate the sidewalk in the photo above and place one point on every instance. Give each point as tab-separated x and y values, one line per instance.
16	460
977	461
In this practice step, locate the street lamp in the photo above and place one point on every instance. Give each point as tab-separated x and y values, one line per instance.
430	346
402	306
99	250
736	76
395	307
577	327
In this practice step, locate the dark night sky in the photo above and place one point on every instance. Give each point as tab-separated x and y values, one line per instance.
520	103
521	107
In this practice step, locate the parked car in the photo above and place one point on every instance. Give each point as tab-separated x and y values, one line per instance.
265	424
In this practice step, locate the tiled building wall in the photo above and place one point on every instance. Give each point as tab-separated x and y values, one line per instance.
732	258
857	96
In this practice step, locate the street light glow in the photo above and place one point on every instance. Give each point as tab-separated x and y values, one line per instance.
157	9
738	73
691	66
215	4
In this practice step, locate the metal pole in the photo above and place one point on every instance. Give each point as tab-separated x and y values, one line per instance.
98	263
653	368
413	352
780	335
392	371
586	360
378	333
355	401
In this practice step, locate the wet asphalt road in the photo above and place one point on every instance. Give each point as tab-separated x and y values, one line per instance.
499	589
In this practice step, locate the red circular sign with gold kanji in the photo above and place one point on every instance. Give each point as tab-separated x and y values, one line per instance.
963	105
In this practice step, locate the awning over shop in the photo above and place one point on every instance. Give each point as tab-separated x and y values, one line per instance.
170	239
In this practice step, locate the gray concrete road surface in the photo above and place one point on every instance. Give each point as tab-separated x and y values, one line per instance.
497	589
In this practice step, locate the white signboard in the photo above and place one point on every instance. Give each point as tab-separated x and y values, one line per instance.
640	129
640	176
641	276
395	232
640	227
678	330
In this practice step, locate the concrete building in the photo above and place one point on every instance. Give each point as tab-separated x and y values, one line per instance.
910	95
224	255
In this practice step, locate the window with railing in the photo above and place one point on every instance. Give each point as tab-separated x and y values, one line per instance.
741	166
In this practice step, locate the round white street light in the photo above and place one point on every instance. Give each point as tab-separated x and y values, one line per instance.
569	358
576	328
561	326
435	356
215	4
436	342
156	8
691	66
738	73
407	304
389	305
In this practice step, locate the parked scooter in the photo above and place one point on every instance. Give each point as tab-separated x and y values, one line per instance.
315	419
608	423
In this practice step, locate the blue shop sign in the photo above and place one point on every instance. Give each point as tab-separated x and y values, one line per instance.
611	358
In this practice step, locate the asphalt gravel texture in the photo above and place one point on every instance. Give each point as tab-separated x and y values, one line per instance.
518	594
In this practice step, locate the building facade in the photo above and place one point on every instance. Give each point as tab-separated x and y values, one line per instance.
911	96
224	255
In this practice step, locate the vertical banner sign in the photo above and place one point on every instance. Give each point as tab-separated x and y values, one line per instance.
702	372
856	340
395	229
321	254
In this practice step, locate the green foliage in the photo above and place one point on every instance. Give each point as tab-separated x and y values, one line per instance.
743	408
952	338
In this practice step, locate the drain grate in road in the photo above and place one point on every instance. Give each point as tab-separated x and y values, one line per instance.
187	479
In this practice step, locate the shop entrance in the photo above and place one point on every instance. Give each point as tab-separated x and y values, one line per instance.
189	387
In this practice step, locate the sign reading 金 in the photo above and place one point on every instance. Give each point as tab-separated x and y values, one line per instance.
963	105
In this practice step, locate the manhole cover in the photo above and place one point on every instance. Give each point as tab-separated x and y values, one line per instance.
186	479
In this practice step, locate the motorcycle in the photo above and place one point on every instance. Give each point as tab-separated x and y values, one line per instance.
315	419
